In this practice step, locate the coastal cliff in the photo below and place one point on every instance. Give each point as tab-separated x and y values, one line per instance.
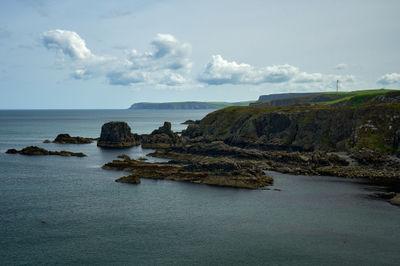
305	128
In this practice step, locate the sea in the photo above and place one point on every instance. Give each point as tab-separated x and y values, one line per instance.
68	211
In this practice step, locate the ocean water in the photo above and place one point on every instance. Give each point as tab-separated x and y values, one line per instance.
68	211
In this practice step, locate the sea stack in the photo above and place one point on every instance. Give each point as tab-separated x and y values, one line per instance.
116	134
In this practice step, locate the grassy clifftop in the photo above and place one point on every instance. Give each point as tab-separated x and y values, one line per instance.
352	98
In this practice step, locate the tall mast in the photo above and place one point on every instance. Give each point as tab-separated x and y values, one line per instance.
337	86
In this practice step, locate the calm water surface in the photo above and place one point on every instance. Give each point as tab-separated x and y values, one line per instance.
68	211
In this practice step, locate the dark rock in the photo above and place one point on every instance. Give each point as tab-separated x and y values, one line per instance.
124	156
116	135
66	138
163	137
369	157
130	179
12	151
34	150
47	141
206	170
190	122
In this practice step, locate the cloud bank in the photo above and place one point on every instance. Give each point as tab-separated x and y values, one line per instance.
389	79
168	65
220	71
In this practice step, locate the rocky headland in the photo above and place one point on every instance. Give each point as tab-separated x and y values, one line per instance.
348	140
34	150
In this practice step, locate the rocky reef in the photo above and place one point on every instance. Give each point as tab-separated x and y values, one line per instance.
116	134
34	150
297	163
206	170
67	139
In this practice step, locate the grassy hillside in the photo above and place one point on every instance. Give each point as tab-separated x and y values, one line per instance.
351	99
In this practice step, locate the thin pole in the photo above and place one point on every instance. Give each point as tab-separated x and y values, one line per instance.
337	86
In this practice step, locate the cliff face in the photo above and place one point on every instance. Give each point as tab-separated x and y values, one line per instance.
304	128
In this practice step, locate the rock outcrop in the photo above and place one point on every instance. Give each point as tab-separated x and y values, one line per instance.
206	170
34	150
163	137
297	163
190	121
116	135
130	179
67	139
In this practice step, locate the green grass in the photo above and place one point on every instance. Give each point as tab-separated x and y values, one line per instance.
355	98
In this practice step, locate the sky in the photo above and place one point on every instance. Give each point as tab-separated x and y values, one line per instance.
111	54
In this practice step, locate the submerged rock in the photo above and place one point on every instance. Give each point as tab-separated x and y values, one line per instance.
116	134
395	200
66	138
34	150
130	179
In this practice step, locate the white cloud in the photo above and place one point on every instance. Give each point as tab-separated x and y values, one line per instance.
168	64
304	77
67	42
341	66
169	53
389	79
220	71
81	74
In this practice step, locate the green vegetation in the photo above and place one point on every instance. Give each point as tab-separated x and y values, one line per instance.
350	99
355	98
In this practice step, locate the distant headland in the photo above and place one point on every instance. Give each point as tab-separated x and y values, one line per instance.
187	105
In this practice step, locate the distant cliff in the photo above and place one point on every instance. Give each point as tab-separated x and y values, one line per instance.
187	105
279	96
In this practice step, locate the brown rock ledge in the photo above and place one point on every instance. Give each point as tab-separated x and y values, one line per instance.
34	150
206	170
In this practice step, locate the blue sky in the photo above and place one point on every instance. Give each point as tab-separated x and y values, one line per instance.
110	54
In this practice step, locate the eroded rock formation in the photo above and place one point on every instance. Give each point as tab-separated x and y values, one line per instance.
163	137
116	134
